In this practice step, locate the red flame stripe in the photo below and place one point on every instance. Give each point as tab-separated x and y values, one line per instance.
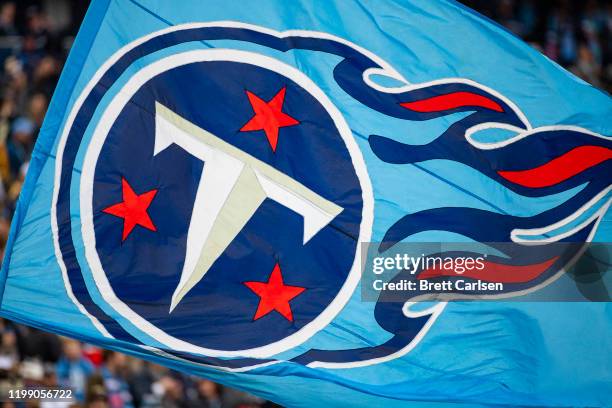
451	101
495	272
561	168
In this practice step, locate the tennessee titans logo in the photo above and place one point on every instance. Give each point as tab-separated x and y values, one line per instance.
249	174
223	195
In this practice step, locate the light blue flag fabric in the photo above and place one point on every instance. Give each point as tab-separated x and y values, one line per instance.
207	171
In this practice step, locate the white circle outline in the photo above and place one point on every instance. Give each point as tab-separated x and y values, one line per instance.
86	195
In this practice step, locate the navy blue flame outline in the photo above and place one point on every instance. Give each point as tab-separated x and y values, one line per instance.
349	74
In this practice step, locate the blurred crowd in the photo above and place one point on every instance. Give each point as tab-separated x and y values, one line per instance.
31	359
35	37
575	33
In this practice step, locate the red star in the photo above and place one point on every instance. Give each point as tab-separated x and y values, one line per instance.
133	209
274	295
269	116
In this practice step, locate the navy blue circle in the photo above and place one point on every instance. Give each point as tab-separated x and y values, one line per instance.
144	270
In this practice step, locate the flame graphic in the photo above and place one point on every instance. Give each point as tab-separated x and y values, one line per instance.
537	162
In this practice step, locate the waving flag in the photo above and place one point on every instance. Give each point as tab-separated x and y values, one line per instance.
207	171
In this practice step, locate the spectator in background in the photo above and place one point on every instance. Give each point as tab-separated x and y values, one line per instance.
115	372
36	39
95	395
7	19
586	66
44	79
171	391
209	395
73	369
34	344
9	355
20	144
143	375
37	107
